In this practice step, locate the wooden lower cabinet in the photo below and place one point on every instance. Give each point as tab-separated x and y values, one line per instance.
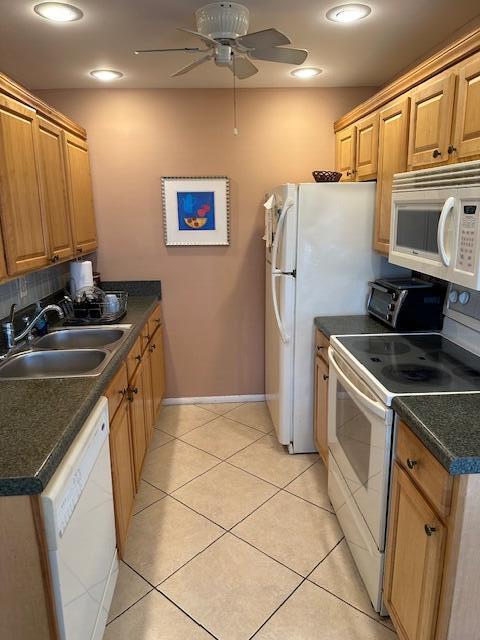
136	397
148	396
321	408
123	472
158	370
415	559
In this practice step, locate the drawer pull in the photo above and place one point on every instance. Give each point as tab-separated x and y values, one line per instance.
325	377
158	320
152	348
122	392
411	463
429	530
139	358
134	390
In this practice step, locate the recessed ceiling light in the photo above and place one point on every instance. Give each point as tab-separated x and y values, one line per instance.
106	75
348	12
58	11
306	72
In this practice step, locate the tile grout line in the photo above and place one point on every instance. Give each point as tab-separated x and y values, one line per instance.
187	614
188	561
349	604
213	454
133	603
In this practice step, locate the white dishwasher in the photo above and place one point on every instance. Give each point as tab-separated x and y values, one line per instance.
80	529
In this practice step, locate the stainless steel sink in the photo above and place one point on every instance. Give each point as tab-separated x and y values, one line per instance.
66	363
83	338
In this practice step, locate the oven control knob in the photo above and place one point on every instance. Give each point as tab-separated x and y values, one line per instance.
391	307
464	297
453	297
394	295
389	316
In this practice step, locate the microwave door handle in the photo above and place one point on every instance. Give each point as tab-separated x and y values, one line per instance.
446	210
276	240
285	338
376	408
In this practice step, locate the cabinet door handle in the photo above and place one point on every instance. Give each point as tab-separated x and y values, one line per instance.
79	250
411	463
325	377
139	358
451	149
134	390
158	320
54	259
152	348
122	392
436	153
429	529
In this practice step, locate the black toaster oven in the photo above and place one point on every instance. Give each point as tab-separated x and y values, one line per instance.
407	304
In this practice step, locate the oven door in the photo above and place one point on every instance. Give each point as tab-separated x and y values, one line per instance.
360	440
423	230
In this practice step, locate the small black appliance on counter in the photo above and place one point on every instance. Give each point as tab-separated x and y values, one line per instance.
407	304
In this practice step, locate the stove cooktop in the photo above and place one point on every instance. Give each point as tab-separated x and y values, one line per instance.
422	363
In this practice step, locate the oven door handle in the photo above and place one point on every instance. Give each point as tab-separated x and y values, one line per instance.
446	210
374	407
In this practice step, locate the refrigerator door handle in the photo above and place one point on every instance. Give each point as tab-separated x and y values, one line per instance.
285	338
276	240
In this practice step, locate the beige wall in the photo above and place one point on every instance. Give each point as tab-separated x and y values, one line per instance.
213	296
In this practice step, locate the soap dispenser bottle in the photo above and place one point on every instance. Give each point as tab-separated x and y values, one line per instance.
41	325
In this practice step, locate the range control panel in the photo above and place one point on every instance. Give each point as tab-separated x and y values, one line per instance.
464	301
468	235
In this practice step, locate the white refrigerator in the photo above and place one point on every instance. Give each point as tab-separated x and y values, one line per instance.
319	260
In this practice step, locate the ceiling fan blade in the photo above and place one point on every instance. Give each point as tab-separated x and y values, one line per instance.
192	49
278	54
263	39
243	68
192	65
206	39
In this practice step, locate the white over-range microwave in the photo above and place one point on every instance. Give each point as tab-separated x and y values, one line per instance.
435	222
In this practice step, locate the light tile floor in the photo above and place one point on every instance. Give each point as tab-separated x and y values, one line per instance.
233	539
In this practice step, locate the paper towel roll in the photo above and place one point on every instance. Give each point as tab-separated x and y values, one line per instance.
81	275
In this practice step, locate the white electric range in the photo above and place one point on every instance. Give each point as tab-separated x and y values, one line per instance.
366	373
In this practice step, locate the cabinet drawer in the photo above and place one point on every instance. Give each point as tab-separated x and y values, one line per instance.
321	345
428	474
116	391
155	320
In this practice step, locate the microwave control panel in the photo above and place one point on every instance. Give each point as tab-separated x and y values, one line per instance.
468	236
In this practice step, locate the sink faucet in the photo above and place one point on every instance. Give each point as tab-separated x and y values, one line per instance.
9	330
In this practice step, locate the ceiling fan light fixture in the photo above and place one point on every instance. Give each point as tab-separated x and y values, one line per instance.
58	11
306	72
106	75
346	13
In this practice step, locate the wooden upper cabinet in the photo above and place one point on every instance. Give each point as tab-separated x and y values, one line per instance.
21	199
55	190
431	114
392	158
367	148
414	561
80	194
466	140
345	141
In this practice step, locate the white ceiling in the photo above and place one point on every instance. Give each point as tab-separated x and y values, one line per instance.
45	55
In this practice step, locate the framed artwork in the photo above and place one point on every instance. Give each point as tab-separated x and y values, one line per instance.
196	211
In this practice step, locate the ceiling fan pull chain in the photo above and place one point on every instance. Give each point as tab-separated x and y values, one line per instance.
235	128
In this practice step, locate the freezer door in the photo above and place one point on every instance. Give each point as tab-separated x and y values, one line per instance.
282	247
279	351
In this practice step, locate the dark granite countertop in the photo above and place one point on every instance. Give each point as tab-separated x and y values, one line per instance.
448	425
349	325
39	419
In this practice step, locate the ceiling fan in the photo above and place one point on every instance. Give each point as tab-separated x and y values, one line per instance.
223	29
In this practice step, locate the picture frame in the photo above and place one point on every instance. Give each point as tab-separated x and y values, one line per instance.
196	211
